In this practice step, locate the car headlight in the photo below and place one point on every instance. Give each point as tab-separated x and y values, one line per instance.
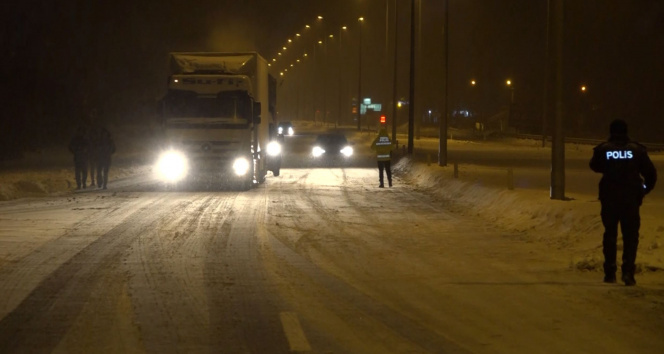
172	166
317	151
347	151
291	131
280	130
273	148
241	166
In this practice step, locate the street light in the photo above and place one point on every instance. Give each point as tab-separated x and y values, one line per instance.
325	60
503	127
340	82
359	78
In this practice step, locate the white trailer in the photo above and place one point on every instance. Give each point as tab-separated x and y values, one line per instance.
219	116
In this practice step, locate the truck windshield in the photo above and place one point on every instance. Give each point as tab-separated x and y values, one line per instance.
187	104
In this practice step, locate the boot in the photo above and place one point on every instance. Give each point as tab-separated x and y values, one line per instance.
628	279
610	272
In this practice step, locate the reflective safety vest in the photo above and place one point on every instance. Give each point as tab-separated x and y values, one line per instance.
383	146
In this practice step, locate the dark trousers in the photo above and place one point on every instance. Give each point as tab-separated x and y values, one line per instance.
102	173
81	173
93	168
384	166
627	215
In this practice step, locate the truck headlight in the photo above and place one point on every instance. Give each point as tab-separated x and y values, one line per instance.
347	151
172	166
291	131
273	148
317	151
241	166
280	130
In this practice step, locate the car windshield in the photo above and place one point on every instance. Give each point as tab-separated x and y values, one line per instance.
332	140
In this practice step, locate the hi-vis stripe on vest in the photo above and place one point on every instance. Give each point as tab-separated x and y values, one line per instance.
383	156
383	140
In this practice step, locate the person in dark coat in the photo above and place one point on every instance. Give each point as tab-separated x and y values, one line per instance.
105	147
93	138
628	175
79	147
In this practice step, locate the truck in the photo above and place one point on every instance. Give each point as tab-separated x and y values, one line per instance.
219	120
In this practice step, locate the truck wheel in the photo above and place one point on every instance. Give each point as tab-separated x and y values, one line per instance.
275	172
261	171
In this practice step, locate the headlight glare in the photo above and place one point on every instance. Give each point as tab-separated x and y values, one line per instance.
273	148
291	131
172	166
241	166
317	151
347	151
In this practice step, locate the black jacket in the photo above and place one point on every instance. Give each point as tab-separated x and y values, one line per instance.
623	163
79	147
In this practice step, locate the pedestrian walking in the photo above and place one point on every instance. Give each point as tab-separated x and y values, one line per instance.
79	147
383	147
104	149
628	175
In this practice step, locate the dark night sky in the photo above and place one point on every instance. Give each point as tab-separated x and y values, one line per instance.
64	58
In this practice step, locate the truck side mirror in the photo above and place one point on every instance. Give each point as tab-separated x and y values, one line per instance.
257	113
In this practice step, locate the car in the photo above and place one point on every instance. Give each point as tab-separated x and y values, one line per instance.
331	145
285	128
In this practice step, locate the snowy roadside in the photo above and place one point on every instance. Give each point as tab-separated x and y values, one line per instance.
572	227
51	171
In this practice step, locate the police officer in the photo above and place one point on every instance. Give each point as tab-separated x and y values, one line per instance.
383	147
622	163
79	147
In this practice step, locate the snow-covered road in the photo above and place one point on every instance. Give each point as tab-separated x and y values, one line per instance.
316	260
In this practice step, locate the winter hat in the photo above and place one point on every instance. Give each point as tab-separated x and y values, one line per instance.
618	128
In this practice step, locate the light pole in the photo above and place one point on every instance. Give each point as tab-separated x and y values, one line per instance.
314	90
325	60
411	99
359	77
503	127
394	77
442	124
340	83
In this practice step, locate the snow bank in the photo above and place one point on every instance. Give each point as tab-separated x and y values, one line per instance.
572	226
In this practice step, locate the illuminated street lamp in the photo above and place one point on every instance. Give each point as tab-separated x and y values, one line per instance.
503	127
339	76
359	78
325	61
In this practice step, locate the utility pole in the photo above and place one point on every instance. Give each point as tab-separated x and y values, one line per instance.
394	76
411	98
558	141
359	80
442	135
547	74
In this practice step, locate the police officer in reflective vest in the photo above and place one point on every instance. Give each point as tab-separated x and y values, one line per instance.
627	176
383	147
